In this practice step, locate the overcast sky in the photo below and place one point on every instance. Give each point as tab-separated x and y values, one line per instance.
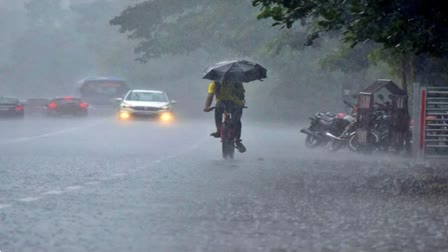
19	3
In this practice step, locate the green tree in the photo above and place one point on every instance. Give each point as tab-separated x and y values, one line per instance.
223	29
411	32
416	27
352	61
177	27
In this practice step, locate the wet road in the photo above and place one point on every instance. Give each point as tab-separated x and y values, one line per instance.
99	185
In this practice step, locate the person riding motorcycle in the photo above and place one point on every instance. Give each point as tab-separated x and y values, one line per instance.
231	95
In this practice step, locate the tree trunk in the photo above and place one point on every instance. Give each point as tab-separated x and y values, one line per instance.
405	70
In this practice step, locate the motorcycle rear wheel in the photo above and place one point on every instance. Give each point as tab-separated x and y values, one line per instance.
335	145
312	141
354	146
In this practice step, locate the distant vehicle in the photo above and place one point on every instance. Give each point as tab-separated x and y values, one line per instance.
11	107
102	90
36	106
146	104
67	106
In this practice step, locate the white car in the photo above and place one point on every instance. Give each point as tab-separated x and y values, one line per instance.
146	103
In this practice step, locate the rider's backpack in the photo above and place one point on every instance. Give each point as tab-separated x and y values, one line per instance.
238	89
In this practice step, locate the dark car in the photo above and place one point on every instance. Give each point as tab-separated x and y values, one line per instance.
67	106
36	106
102	91
11	107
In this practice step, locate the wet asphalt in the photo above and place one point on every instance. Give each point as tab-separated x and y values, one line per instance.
97	184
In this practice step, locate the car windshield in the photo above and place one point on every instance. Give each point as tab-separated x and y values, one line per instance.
8	100
147	96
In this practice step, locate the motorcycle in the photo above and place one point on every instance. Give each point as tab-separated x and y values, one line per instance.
376	137
379	137
321	124
340	140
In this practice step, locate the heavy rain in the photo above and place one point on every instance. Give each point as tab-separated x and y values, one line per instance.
211	125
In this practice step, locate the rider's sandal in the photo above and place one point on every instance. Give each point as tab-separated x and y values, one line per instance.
240	147
216	134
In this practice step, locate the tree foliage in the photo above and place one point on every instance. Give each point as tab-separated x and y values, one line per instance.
416	27
348	59
170	27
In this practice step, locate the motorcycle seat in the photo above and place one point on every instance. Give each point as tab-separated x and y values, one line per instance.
327	118
327	122
349	118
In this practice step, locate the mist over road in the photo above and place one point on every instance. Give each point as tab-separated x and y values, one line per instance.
97	184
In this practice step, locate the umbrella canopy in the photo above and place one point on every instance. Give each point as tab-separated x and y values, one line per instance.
236	70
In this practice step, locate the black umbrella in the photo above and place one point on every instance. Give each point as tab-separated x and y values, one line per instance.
235	70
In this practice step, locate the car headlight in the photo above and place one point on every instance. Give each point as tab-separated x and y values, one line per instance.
166	117
124	105
123	115
165	107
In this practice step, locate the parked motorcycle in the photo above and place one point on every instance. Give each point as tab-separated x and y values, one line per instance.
338	142
325	125
320	123
341	140
376	137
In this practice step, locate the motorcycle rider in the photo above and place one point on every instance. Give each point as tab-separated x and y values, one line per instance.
228	94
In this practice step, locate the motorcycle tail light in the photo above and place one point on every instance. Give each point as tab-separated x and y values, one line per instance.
341	115
52	105
83	105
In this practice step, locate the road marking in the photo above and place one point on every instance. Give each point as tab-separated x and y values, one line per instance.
29	199
49	134
78	187
92	183
53	192
105	178
73	188
3	206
